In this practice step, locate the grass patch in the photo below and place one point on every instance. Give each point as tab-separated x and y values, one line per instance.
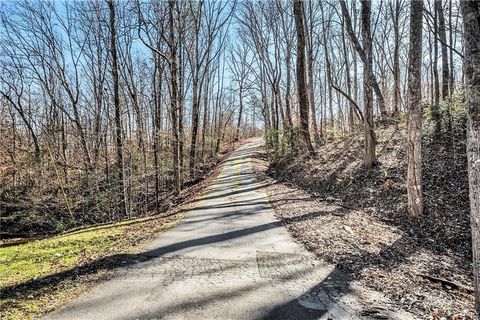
63	255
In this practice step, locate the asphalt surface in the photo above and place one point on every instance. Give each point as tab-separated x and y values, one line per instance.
229	258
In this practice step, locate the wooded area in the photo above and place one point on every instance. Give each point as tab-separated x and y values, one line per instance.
109	109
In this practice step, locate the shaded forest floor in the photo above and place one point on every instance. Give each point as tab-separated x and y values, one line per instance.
356	218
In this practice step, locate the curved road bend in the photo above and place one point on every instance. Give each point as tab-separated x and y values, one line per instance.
229	258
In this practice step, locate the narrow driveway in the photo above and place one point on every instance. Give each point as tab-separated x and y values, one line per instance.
229	258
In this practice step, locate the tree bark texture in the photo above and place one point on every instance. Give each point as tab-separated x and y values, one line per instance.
414	117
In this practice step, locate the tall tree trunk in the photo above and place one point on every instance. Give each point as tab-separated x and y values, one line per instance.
451	43
354	56
240	112
310	84
157	126
288	85
195	120
351	121
118	114
301	87
443	43
363	54
205	109
174	97
181	108
430	56
288	67
396	59
445	67
435	109
414	120
328	73
370	140
329	86
471	26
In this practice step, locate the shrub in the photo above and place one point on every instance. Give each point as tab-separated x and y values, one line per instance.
282	143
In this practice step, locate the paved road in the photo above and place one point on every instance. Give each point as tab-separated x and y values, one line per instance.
228	259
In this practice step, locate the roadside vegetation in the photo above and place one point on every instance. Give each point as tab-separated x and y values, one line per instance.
24	295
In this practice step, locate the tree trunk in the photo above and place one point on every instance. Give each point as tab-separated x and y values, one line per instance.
451	43
329	86
351	121
354	57
205	109
118	114
174	97
414	120
310	84
301	87
195	120
363	54
435	109
445	67
370	140
396	59
181	107
471	21
288	84
239	121
328	73
443	42
157	126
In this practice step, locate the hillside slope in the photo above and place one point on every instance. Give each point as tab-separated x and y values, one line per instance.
357	219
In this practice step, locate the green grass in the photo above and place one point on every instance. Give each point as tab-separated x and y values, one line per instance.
37	259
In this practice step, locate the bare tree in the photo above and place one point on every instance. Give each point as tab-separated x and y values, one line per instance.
414	117
310	23
174	103
471	25
444	50
117	110
361	50
395	12
370	139
301	84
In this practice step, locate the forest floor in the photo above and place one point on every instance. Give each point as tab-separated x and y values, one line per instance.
38	275
356	218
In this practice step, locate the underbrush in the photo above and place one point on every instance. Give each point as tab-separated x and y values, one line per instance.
48	204
282	143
